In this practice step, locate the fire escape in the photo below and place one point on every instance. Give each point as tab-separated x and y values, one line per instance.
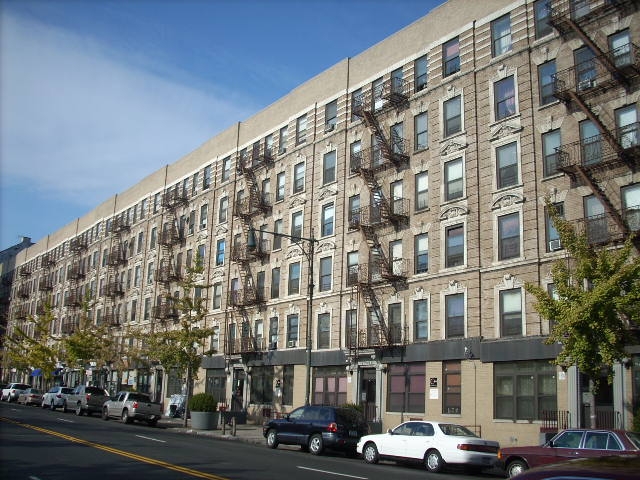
614	152
45	282
116	259
248	294
171	237
23	292
387	152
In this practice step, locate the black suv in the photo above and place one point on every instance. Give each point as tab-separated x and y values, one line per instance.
316	427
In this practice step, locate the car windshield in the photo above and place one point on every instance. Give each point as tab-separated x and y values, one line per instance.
21	386
140	397
67	390
456	430
34	390
634	438
95	391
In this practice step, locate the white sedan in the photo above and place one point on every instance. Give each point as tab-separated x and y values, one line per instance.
434	443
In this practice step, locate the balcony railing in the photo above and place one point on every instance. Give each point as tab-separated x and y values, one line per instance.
174	197
256	158
112	319
600	229
120	225
376	336
168	274
562	13
47	260
116	256
23	291
378	272
74	299
165	311
78	244
69	327
245	297
378	158
45	284
76	271
246	345
114	288
170	237
594	153
240	252
392	93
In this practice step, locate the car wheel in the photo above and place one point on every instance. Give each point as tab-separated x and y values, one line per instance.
125	417
370	453
79	410
152	423
516	467
105	414
272	439
64	407
433	461
52	405
315	444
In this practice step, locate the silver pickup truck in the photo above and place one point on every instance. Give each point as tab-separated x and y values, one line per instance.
129	406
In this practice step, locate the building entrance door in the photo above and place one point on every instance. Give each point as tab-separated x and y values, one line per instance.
368	393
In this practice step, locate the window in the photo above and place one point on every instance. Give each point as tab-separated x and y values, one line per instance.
501	35
282	139
277	238
422	191
265	191
553	237
156	202
620	47
139	249
194	184
294	278
421	128
226	168
329	386
451	57
202	252
298	177
505	98
134	308
541	18
220	247
147	309
631	206
261	384
354	212
511	312
154	238
453	178
137	275
217	295
150	270
451	387
356	104
524	390
206	177
275	282
203	216
325	274
328	214
280	185
590	143
509	236
596	225
330	115
324	330
143	208
452	116
406	387
329	168
352	268
296	225
421	72
454	315
550	144
222	210
507	163
454	246
377	97
422	253
395	322
273	333
420	319
192	222
546	73
585	66
627	126
301	129
292	331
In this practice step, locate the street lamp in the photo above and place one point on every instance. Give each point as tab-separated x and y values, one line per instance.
309	252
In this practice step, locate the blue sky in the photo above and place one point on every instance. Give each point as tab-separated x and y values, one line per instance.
92	89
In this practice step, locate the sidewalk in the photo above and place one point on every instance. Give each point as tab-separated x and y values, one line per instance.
248	433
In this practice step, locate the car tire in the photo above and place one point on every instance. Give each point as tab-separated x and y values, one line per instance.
433	461
316	444
152	423
516	467
52	405
125	416
64	407
370	453
79	411
105	414
272	438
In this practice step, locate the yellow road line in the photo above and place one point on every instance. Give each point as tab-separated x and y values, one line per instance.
133	456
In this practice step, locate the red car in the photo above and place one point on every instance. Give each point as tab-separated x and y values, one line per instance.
569	444
619	467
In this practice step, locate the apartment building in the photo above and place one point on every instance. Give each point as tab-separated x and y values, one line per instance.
367	237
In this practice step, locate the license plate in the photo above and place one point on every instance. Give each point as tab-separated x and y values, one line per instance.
353	433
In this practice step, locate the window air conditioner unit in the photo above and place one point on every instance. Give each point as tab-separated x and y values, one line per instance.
329	127
586	84
282	150
555	245
291	343
273	345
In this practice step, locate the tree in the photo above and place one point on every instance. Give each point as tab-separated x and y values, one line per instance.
596	305
181	346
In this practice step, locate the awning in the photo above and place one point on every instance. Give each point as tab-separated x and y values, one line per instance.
37	372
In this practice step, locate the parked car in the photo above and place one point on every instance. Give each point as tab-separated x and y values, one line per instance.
568	444
87	399
129	406
617	467
316	427
11	392
56	397
434	443
30	396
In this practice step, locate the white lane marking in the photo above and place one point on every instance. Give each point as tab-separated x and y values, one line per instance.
65	420
152	439
331	473
33	478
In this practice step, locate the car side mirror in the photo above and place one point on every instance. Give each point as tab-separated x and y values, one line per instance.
550	444
390	432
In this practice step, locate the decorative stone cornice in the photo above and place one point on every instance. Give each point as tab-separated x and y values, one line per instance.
453	211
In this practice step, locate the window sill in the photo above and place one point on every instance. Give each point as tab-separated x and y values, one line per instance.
549	105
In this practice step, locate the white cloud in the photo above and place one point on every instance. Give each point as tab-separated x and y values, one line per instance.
82	122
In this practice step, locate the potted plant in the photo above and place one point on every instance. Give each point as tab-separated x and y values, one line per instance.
204	411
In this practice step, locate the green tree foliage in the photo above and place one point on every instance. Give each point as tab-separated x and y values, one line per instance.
597	303
180	345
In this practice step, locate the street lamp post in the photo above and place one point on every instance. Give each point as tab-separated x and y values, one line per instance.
309	253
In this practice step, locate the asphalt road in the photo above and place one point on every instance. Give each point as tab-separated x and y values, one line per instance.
38	444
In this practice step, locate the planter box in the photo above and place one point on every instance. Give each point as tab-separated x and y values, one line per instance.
204	420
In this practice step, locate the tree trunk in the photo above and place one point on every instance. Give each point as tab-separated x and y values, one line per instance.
188	395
